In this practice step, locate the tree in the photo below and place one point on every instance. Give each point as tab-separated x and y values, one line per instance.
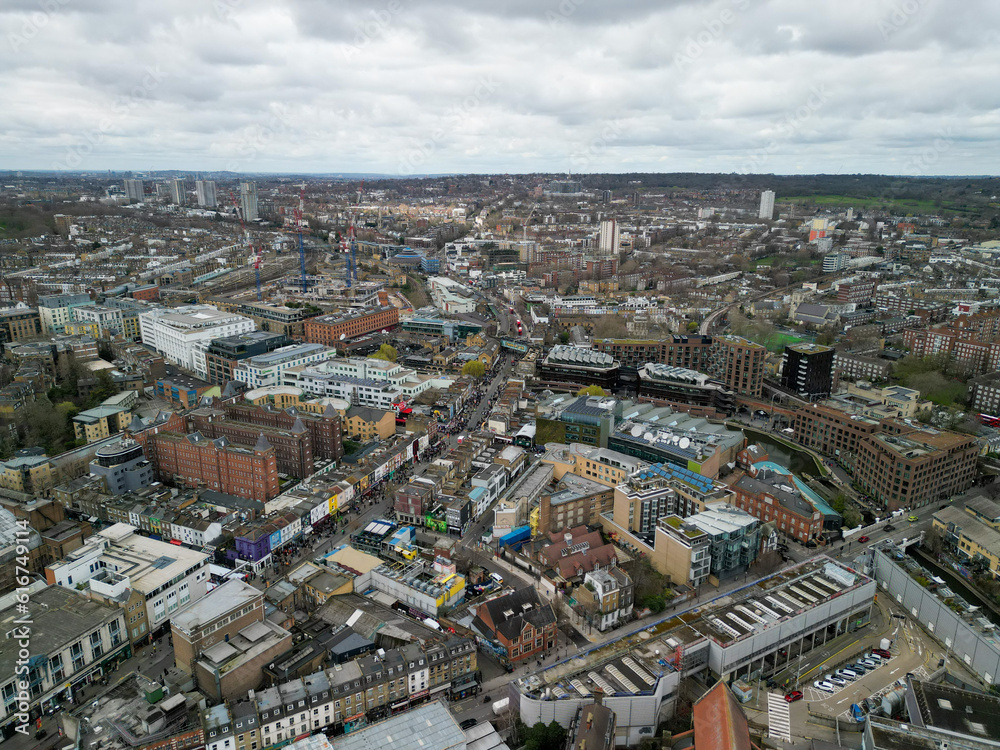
474	369
591	390
104	389
692	326
551	736
386	352
47	427
564	337
852	517
933	541
767	562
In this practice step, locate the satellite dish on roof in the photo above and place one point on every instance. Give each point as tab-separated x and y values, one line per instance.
648	437
685	442
636	430
675	440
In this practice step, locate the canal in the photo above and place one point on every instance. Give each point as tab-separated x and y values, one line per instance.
797	461
956	583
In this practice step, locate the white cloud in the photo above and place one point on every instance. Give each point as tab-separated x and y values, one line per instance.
326	85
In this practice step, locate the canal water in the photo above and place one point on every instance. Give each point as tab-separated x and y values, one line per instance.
797	461
958	584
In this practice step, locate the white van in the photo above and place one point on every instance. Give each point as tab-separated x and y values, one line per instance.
498	578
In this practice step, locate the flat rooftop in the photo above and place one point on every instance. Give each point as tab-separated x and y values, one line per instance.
427	727
233	594
58	616
148	563
725	620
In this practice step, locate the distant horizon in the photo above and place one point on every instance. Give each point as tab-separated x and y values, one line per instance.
553	175
881	87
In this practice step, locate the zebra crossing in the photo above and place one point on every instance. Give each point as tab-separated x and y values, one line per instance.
778	719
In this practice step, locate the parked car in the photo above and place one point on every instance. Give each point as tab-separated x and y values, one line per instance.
884	653
870	663
469	723
795	695
847	673
836	680
826	687
862	539
875	657
889	527
858	667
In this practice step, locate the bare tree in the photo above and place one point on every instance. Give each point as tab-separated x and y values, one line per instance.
768	562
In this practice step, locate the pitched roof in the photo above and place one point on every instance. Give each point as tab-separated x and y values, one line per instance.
719	721
509	613
262	444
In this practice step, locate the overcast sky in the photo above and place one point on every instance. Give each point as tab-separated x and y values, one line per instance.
415	86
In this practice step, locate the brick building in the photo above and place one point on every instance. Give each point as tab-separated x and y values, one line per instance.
292	447
214	618
860	290
971	341
143	431
195	461
147	293
19	324
857	365
567	506
832	432
735	361
771	496
414	499
738	363
984	394
182	390
908	467
520	623
328	329
324	429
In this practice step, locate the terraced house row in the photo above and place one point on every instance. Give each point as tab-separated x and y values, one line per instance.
344	697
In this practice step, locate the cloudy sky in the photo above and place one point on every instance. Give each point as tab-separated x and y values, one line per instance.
429	86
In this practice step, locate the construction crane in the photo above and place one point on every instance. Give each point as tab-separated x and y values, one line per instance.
349	245
257	257
298	224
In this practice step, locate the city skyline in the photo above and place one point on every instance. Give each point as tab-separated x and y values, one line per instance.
568	86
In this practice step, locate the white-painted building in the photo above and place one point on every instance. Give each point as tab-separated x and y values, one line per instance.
118	558
183	334
265	370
